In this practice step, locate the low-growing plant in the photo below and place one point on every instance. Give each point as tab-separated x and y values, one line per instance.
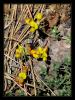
67	39
61	82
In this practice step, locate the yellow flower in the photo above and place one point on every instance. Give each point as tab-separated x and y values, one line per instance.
40	53
32	29
44	54
22	75
37	52
27	20
38	16
35	56
44	58
17	56
33	24
21	48
36	26
33	52
18	53
40	50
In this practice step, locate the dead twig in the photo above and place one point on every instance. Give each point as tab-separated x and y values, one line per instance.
8	77
33	86
8	25
11	58
11	88
33	75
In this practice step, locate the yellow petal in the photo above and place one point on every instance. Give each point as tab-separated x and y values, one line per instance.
33	52
18	53
21	48
27	20
35	56
32	23
17	56
32	29
37	52
44	58
40	50
44	54
38	16
36	26
22	75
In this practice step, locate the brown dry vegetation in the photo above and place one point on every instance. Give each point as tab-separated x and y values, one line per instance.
41	81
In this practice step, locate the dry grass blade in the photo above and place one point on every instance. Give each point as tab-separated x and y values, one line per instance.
8	77
24	9
29	11
8	25
33	76
11	34
11	58
5	87
43	7
11	88
33	86
13	39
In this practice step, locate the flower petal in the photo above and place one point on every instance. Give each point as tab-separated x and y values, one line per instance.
22	75
44	58
40	50
27	20
38	16
35	56
32	29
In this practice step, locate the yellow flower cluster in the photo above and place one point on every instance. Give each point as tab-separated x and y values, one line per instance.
20	78
19	51
22	75
40	53
38	16
32	23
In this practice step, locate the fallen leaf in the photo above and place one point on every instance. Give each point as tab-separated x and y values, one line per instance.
54	19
